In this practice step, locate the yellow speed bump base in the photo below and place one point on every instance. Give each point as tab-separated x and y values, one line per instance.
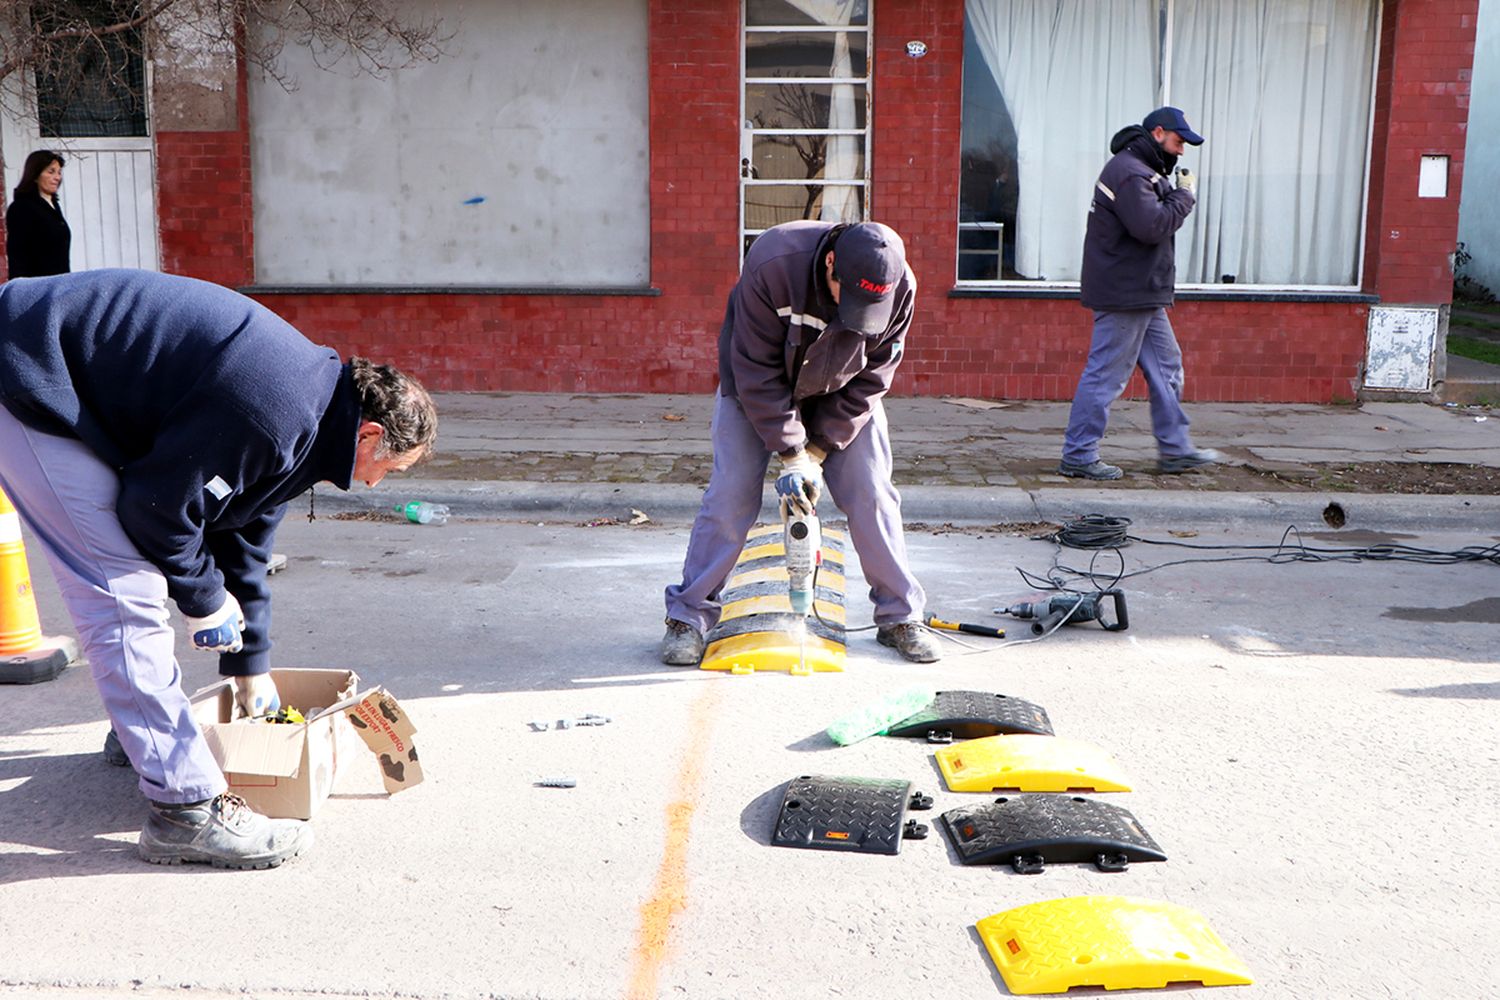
1025	763
1117	942
752	651
757	630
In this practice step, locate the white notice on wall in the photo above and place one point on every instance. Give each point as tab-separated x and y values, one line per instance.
1432	181
1400	345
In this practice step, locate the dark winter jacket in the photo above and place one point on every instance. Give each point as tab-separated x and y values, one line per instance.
214	410
1128	253
37	237
781	305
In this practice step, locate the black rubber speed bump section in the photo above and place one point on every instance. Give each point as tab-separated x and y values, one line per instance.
863	815
972	715
1030	831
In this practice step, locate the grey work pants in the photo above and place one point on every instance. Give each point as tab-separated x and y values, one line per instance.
859	483
118	603
1121	341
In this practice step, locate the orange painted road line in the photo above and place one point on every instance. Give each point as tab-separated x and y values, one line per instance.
670	891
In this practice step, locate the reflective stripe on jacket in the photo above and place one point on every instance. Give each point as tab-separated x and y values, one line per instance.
1129	257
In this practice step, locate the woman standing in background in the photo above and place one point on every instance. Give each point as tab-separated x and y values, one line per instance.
37	237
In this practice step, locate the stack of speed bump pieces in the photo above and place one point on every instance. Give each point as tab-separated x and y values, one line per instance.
994	743
757	629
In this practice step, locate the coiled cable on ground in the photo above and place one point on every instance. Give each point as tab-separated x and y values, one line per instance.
1095	531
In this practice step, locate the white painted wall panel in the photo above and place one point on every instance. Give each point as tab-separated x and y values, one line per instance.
519	158
1479	207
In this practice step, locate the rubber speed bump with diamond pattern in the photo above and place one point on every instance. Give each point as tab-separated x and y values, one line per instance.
1117	942
1030	831
1030	764
757	629
864	815
970	715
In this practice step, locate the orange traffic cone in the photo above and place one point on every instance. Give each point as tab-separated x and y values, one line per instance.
26	656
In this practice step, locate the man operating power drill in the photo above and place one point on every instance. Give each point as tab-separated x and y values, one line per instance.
153	430
811	339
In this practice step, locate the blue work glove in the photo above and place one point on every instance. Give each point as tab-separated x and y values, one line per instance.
219	632
801	481
256	695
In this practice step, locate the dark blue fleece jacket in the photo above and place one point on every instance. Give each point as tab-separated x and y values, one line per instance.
1129	252
214	410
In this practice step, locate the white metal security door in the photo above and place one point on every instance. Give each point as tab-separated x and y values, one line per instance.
109	199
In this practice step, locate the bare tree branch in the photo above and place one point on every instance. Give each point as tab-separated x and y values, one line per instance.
81	49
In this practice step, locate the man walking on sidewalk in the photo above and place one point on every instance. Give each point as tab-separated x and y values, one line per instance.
1129	279
153	429
811	339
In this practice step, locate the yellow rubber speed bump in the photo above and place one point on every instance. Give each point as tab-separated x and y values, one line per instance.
1026	763
1117	942
757	629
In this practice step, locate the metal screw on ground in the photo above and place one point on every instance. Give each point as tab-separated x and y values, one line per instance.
556	783
591	720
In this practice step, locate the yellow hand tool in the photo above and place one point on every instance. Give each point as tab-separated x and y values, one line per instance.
933	621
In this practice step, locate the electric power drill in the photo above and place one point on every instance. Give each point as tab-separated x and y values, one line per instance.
803	544
1073	609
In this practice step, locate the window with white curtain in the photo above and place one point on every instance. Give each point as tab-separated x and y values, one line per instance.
1280	89
804	142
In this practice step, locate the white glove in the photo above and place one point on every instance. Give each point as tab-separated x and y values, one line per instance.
1187	180
801	481
256	695
220	631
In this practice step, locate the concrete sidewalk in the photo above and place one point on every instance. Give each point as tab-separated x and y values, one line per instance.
592	457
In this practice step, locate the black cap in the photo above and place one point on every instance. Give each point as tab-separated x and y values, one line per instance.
1172	120
869	260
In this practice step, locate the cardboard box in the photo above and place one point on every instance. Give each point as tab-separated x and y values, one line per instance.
287	770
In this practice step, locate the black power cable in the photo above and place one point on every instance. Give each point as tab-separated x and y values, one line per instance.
1102	533
1094	531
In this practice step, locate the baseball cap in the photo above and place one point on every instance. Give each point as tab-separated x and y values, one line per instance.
1172	120
869	260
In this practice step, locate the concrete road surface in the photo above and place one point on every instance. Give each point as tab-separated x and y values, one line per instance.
1313	745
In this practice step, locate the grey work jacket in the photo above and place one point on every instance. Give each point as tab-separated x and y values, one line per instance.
780	303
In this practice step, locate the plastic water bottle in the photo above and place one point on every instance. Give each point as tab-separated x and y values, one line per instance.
422	512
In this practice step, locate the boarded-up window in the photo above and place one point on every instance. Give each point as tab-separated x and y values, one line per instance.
517	159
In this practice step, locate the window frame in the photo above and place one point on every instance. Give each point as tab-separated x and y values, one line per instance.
748	133
104	142
1198	290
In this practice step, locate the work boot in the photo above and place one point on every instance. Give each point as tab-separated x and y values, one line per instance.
1093	470
910	640
1187	463
224	832
682	646
114	754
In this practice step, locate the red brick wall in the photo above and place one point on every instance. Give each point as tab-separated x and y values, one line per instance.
995	347
1421	107
203	201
